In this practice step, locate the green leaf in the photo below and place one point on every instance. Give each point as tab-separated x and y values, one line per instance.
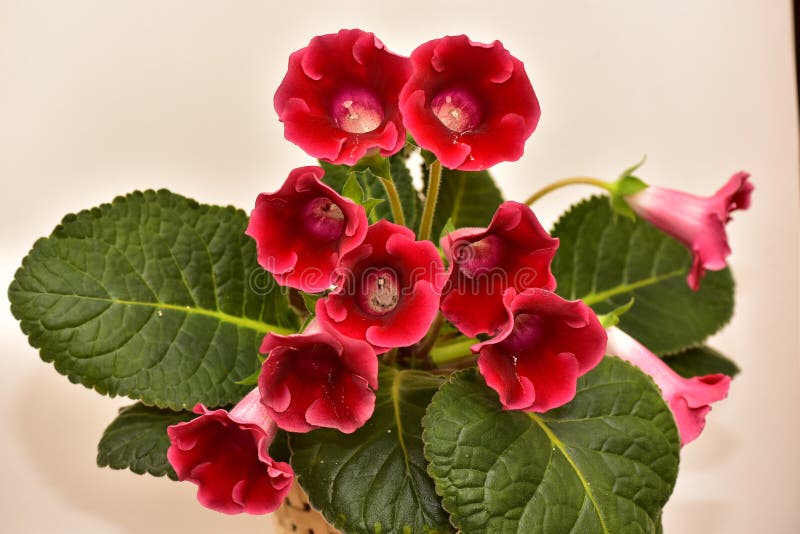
467	199
337	175
352	189
612	318
606	261
447	228
137	440
699	361
604	463
374	480
310	301
153	296
370	204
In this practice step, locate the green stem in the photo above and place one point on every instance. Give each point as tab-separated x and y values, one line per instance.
394	200
434	179
577	180
443	354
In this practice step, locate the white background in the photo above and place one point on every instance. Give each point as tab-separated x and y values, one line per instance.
98	98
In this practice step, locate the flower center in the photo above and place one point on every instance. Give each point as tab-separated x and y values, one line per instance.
357	111
379	293
457	110
529	331
324	219
479	257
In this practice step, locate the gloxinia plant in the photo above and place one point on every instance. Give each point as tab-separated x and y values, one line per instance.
415	360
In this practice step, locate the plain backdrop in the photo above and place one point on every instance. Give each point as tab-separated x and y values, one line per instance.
98	98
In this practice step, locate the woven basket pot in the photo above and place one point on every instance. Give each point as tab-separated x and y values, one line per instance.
296	516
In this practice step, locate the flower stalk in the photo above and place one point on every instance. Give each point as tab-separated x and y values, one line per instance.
431	197
576	180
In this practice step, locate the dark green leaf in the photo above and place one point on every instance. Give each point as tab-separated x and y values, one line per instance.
154	296
699	361
467	199
604	463
137	440
374	480
607	260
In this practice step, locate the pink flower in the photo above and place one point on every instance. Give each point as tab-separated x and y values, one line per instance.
318	379
688	398
697	222
514	251
469	103
227	456
302	229
339	97
388	289
548	342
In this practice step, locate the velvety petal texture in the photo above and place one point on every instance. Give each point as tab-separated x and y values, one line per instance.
688	398
227	456
513	252
388	289
302	230
697	222
339	98
318	379
471	104
548	342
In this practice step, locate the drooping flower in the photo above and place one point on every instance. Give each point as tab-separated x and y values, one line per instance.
318	379
471	104
697	222
388	289
338	99
688	398
227	456
514	251
303	229
548	342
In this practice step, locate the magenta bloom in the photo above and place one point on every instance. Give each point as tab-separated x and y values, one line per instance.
688	398
227	456
469	103
697	222
388	289
338	99
535	362
302	230
318	379
514	251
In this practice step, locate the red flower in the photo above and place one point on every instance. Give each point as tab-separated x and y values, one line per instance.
303	229
697	222
388	289
318	379
548	343
338	99
688	398
227	456
469	103
514	251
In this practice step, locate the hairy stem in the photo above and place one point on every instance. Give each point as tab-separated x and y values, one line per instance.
394	200
434	179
